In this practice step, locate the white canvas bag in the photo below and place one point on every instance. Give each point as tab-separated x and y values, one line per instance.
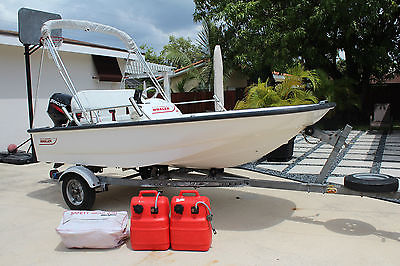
93	229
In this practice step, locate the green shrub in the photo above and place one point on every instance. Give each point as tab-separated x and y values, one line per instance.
296	89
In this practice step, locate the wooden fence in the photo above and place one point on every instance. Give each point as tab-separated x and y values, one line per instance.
230	98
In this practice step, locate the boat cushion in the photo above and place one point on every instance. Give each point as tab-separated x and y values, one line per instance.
101	99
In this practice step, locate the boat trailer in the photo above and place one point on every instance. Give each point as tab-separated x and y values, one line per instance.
81	183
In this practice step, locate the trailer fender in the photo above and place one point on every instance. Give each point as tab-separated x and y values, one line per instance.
85	173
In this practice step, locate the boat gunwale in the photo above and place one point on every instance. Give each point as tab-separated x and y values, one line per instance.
214	116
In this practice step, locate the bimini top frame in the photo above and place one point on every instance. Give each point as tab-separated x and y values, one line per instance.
93	27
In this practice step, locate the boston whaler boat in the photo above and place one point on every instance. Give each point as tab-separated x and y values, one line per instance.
126	128
154	131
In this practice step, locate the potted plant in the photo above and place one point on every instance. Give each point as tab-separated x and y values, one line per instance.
296	89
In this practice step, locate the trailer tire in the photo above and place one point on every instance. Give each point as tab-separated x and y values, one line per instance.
371	182
77	193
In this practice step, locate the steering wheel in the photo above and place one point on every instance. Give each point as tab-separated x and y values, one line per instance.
144	93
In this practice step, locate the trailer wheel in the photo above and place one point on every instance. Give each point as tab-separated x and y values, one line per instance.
77	193
371	182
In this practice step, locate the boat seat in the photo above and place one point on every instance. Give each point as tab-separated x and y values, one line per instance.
109	105
93	100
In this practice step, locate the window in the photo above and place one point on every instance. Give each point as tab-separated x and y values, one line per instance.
107	68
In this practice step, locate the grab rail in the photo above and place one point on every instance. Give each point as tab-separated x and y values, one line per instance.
215	100
139	111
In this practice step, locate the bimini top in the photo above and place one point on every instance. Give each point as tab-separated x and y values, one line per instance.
88	26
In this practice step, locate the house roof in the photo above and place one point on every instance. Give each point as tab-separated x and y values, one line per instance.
195	64
394	80
8	37
69	45
279	77
182	70
68	40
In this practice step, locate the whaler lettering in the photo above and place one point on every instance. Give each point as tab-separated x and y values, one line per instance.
161	108
47	141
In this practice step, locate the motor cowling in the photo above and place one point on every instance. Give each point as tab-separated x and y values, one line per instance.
56	102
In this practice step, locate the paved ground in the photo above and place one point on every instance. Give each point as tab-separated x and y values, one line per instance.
255	226
366	152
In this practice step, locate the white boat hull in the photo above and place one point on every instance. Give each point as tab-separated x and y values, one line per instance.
210	140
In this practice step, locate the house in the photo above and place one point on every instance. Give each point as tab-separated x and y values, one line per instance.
90	66
387	91
236	80
185	87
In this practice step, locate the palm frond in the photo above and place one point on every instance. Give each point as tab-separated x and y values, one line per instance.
292	91
177	57
203	37
305	76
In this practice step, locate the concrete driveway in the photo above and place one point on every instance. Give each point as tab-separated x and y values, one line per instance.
255	226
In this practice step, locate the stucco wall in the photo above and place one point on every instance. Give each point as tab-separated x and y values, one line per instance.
236	80
190	84
13	99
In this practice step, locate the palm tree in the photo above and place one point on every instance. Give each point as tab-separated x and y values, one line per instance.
207	38
181	52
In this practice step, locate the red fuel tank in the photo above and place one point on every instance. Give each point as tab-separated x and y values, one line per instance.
150	221
190	223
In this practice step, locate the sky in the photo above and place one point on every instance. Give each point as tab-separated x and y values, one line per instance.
149	22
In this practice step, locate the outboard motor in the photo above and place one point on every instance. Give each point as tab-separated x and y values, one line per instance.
56	102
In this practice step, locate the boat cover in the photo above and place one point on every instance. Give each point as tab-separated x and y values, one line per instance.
87	26
93	229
